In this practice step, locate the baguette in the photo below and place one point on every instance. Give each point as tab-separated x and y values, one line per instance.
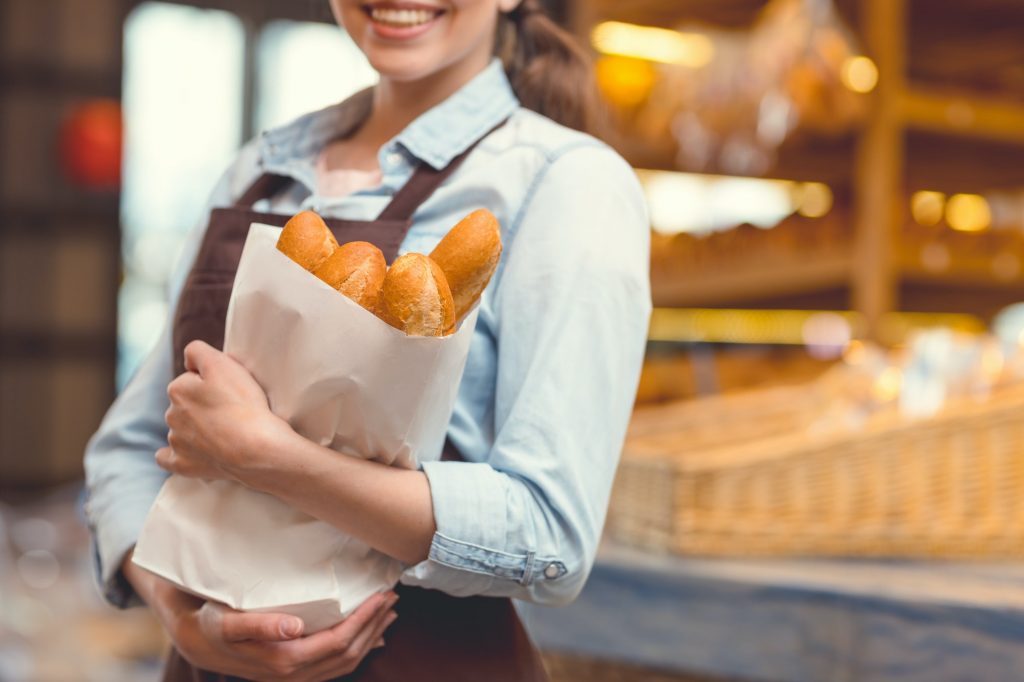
415	297
307	240
356	269
468	256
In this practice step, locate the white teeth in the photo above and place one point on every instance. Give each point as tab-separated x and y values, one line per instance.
402	18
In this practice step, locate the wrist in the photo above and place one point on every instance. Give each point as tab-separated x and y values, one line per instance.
264	452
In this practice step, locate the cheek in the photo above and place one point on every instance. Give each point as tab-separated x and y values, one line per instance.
352	19
474	18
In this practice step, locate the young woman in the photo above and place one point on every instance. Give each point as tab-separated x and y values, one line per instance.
475	107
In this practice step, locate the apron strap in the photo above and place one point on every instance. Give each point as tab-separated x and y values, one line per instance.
417	189
266	185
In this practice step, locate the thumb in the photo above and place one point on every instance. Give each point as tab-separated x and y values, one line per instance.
238	626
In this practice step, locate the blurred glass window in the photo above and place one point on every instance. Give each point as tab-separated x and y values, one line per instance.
305	66
183	80
185	117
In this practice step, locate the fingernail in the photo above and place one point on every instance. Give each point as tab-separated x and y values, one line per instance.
390	619
379	644
291	627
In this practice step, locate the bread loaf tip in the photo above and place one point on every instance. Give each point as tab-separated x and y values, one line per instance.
468	256
307	240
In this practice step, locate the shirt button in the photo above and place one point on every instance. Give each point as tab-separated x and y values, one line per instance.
551	571
393	159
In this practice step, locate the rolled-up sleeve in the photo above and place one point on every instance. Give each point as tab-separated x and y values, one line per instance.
121	475
572	306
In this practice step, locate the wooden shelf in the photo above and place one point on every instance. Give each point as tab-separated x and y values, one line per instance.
752	280
748	280
963	114
941	118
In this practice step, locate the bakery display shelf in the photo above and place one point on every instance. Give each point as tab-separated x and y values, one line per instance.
947	115
752	279
961	113
978	277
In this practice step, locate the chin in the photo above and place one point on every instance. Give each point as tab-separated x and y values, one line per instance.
404	66
400	68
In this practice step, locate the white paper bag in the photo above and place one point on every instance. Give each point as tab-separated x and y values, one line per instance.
342	378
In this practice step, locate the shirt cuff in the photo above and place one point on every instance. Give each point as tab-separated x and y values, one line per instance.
114	534
469	553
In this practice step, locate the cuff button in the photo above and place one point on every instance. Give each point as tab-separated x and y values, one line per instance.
551	571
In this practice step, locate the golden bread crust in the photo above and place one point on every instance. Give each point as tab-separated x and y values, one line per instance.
469	255
307	240
356	269
416	298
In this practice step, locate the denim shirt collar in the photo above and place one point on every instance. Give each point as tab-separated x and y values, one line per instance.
435	137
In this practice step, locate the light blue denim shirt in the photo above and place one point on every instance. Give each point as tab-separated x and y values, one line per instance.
554	362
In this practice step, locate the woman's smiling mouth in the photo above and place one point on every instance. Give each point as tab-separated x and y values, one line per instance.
401	19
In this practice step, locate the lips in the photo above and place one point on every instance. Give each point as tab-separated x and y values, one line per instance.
402	15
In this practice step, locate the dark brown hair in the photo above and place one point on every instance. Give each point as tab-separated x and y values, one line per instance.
550	73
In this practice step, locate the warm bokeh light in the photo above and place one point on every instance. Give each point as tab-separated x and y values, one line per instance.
968	212
655	44
927	207
813	199
859	74
626	81
698	203
840	329
856	352
887	385
826	334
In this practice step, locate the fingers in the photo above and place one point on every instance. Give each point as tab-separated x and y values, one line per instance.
371	635
237	626
320	656
342	663
341	637
183	386
198	356
165	459
174	461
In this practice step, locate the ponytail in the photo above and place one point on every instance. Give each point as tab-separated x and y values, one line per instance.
550	73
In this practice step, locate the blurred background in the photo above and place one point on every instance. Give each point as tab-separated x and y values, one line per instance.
824	477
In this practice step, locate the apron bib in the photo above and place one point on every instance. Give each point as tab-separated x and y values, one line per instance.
436	637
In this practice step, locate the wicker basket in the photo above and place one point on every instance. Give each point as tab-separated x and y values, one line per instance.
951	486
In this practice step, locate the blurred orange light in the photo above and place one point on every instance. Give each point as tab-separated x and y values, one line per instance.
859	74
814	199
624	80
655	44
968	212
926	207
887	385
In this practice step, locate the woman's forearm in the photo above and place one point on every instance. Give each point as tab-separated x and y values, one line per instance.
386	507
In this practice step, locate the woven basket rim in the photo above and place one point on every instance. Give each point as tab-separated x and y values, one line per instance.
648	452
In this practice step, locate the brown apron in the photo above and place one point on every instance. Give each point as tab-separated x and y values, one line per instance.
436	636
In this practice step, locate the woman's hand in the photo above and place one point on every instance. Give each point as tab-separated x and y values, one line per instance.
217	418
261	646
